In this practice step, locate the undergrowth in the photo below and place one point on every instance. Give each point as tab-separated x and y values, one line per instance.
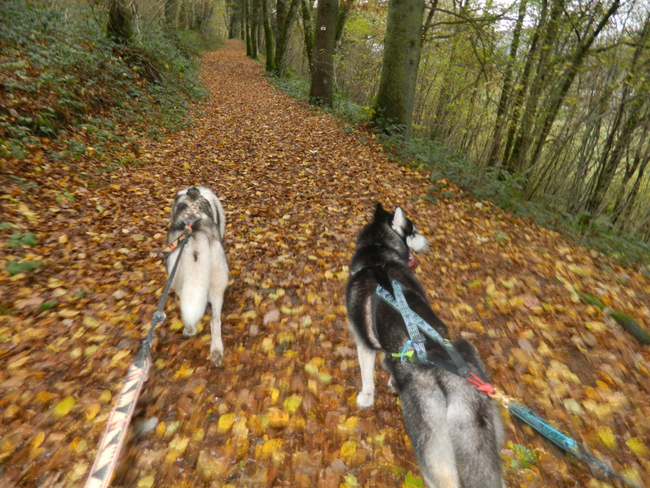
500	188
63	80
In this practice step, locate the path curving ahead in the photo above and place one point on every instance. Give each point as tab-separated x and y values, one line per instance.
280	411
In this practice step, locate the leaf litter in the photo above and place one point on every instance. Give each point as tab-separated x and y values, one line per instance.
297	188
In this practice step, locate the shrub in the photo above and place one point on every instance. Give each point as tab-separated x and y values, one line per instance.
62	74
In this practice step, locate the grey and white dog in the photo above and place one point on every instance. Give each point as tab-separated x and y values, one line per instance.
455	430
202	274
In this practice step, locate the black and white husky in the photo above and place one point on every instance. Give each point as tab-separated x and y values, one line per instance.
455	430
202	274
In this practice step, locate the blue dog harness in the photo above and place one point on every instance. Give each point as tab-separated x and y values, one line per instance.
416	324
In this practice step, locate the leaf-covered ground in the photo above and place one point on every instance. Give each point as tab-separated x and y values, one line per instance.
297	187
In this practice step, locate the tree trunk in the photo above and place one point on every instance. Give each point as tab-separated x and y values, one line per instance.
268	37
549	30
322	80
233	10
284	19
308	28
639	164
254	22
394	103
247	19
171	16
609	164
520	94
119	28
575	63
344	11
507	85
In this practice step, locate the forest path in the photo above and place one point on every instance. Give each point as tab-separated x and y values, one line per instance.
297	188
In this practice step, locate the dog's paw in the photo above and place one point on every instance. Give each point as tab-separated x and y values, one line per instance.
189	331
216	357
365	399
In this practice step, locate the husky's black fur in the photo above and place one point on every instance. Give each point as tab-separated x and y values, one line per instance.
455	430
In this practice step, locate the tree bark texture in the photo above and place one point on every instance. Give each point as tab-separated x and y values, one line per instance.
119	28
394	103
308	28
344	11
285	13
268	37
255	24
506	90
322	79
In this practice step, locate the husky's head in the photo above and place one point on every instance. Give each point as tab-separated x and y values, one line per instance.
407	231
190	204
404	234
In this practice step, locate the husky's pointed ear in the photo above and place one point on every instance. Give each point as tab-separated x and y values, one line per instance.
399	218
399	221
379	210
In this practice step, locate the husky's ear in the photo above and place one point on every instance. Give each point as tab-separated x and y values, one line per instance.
399	221
379	210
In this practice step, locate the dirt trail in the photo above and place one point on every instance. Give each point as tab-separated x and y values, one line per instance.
281	409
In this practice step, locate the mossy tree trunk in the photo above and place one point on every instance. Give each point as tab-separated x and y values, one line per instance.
308	29
247	18
268	37
394	103
322	78
286	11
255	24
120	27
171	16
344	11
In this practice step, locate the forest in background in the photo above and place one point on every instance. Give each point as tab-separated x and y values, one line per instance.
539	105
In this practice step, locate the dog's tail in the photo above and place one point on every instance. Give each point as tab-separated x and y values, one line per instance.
195	275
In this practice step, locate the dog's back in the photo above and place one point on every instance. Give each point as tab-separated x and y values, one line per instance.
202	275
455	430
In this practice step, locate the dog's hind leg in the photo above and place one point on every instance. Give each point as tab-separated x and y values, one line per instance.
366	397
424	413
218	284
475	425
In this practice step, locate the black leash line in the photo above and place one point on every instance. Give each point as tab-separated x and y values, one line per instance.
117	425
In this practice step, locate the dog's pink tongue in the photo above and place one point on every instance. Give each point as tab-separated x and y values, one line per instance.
411	260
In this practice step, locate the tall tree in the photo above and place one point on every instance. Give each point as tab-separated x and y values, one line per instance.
394	103
506	90
322	79
120	27
344	11
254	25
268	37
308	28
247	17
171	16
285	13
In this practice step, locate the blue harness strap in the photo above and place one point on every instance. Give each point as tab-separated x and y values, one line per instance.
416	324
